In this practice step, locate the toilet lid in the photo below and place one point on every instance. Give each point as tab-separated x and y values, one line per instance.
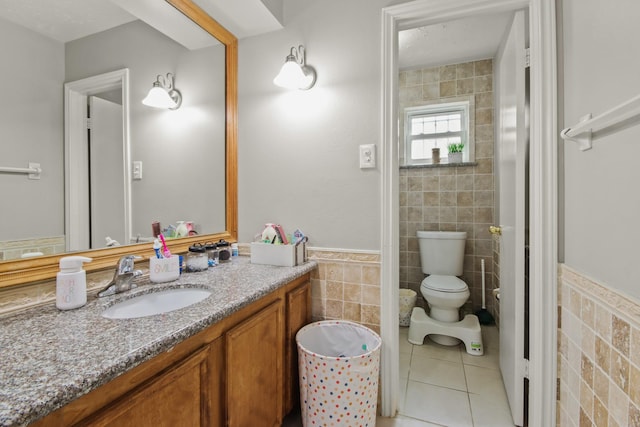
444	283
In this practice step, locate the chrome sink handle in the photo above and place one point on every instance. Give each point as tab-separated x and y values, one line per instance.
123	277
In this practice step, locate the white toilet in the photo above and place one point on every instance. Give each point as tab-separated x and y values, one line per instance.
442	258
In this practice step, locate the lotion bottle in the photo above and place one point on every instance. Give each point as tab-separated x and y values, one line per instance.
71	284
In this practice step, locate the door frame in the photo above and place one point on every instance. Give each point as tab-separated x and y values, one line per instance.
543	190
75	153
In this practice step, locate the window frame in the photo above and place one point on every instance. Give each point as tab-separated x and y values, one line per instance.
465	106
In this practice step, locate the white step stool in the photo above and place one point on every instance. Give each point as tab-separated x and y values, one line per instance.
466	330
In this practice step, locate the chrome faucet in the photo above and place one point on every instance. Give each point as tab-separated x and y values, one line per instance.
123	277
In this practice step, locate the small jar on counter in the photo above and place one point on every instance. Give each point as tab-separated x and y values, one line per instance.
212	253
224	253
197	259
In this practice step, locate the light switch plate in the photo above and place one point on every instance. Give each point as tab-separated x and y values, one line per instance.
137	170
367	156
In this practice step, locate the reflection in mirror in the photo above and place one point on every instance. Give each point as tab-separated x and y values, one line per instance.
188	155
180	155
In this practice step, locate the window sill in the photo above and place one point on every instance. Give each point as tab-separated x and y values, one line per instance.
440	165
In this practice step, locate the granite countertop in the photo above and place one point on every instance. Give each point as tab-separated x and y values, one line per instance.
50	357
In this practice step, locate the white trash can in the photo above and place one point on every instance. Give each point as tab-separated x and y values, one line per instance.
339	363
407	302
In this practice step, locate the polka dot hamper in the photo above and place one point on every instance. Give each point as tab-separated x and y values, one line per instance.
339	363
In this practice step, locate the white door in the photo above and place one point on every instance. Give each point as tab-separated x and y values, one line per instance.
511	148
107	186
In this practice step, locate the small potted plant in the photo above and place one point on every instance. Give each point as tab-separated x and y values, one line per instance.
455	152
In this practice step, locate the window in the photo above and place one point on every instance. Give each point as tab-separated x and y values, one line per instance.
435	126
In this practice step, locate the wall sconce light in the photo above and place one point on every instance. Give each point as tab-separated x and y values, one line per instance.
295	73
163	94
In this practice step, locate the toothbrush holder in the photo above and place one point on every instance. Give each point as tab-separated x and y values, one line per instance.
164	269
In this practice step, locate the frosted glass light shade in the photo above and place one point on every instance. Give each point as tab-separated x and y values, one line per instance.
295	74
159	98
292	76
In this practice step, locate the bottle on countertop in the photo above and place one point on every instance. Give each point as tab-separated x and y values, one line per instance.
71	283
234	251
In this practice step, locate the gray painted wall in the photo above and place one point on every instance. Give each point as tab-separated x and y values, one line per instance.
32	74
298	151
602	200
183	150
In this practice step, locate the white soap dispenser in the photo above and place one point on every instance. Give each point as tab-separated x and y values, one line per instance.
71	284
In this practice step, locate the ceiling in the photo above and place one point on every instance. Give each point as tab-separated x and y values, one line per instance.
452	42
67	20
64	20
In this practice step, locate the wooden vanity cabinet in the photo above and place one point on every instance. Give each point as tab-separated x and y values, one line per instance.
241	371
178	396
298	306
254	369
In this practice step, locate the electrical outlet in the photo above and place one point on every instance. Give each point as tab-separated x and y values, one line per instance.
367	156
137	170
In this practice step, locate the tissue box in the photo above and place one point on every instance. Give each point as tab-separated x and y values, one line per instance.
282	255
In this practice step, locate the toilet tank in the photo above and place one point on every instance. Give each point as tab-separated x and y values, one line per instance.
442	252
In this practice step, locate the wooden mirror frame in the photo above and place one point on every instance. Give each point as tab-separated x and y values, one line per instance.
24	271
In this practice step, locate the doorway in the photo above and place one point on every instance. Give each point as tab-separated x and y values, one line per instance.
543	189
78	203
106	171
457	61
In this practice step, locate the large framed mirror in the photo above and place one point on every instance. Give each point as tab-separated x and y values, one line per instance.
174	186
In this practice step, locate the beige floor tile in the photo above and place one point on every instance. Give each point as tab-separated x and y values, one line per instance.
438	372
437	405
436	351
405	363
449	387
491	337
489	411
405	347
402	395
490	358
484	381
400	421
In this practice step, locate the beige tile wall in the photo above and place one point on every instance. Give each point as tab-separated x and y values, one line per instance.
598	354
346	286
446	198
13	249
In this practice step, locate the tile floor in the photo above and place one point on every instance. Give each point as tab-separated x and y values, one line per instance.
445	386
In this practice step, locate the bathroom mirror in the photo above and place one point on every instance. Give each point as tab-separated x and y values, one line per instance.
15	272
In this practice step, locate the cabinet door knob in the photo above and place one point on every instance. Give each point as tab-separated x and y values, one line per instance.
494	229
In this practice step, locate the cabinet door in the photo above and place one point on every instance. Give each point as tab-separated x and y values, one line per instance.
298	315
254	369
176	397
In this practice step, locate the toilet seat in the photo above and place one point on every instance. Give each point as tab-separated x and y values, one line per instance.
447	284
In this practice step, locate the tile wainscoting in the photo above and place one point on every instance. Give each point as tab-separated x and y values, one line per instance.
346	286
598	354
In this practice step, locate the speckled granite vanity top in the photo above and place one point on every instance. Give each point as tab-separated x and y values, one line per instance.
49	357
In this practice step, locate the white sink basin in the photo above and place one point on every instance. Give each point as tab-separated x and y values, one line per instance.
155	303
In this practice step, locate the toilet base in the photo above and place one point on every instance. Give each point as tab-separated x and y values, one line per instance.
466	330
